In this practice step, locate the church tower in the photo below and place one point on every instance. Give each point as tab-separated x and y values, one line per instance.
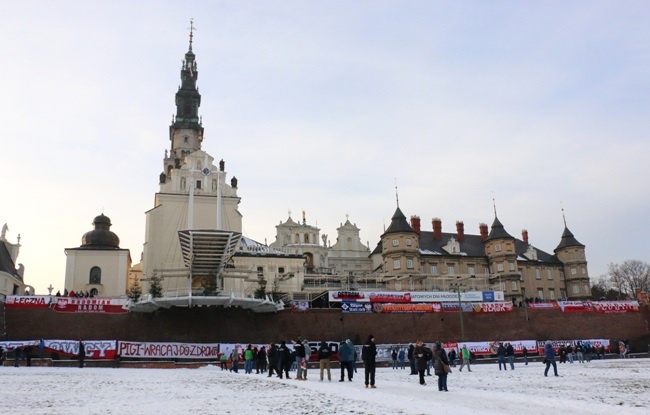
193	196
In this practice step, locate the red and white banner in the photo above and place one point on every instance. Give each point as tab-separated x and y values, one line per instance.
28	301
390	297
501	307
406	308
616	306
490	348
90	305
169	350
299	306
95	349
575	306
544	306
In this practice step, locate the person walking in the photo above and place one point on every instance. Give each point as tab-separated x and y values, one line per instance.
82	354
260	358
402	357
299	349
284	355
465	358
368	355
324	354
501	356
524	351
440	366
421	354
549	358
510	355
393	357
346	358
234	357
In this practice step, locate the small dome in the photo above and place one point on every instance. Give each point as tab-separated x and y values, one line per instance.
102	235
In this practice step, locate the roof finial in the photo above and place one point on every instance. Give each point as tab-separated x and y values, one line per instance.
396	194
192	29
563	217
494	204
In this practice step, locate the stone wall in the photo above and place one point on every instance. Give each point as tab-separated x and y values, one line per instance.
209	324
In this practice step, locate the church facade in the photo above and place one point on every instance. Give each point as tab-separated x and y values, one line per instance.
11	274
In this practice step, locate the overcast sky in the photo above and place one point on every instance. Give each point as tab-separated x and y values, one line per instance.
324	106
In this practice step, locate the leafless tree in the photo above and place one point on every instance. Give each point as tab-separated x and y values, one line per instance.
630	276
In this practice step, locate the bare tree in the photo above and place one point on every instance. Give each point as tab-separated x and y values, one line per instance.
630	276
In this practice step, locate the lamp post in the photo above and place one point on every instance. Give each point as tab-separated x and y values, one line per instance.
460	311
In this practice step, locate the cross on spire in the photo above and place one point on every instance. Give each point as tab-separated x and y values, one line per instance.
192	29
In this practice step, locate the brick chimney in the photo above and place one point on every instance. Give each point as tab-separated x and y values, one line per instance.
524	235
460	228
437	229
484	231
415	223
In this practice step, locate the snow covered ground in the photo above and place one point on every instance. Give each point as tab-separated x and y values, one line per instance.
599	387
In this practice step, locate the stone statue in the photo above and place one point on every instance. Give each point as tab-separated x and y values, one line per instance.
222	165
165	153
324	238
163	177
233	182
5	228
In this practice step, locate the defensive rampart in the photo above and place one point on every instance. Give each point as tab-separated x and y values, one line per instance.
210	324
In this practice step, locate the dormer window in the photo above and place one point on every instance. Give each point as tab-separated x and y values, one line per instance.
186	139
452	247
531	253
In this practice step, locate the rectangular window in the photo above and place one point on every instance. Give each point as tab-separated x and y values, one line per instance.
512	266
563	293
398	285
280	270
450	270
574	271
198	184
538	274
395	242
576	289
260	271
499	267
434	269
587	289
551	294
409	263
513	285
549	274
562	278
470	270
396	264
497	247
502	286
584	271
408	241
486	270
540	293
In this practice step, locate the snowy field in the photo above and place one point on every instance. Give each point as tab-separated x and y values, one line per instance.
600	387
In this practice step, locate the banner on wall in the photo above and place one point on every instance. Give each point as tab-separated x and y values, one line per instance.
95	349
166	350
616	306
544	306
351	307
299	306
28	301
500	307
90	305
574	306
414	296
595	343
406	308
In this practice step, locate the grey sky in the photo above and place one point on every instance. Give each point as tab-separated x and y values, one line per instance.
321	105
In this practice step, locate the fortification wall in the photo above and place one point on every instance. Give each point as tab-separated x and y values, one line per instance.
209	324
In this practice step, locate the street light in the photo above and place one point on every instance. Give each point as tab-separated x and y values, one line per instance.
460	310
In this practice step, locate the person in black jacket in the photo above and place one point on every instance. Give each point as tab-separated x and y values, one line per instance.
421	354
368	355
439	363
82	354
274	360
411	359
284	355
261	360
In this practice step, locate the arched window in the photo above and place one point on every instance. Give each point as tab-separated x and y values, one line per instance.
94	292
95	275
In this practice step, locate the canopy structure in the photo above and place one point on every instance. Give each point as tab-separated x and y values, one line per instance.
207	251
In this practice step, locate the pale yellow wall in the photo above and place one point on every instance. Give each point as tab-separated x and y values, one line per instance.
113	263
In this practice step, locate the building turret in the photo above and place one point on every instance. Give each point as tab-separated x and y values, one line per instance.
572	255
